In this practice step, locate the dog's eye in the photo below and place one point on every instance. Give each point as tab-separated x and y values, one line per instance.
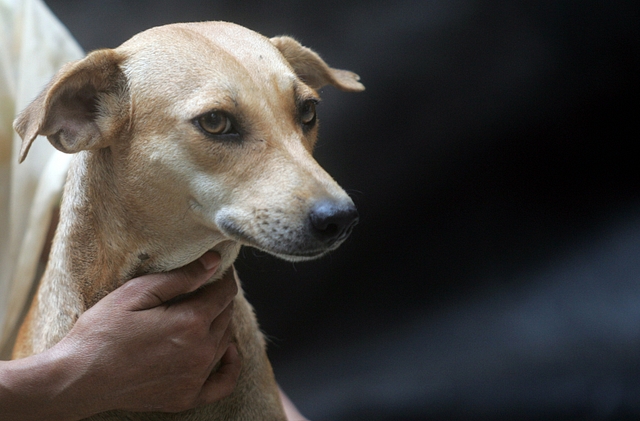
308	113
215	123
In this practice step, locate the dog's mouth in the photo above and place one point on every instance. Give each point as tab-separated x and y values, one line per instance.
298	245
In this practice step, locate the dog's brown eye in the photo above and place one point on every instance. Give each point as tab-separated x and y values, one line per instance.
215	123
308	113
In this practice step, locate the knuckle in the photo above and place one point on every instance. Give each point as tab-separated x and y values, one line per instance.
194	321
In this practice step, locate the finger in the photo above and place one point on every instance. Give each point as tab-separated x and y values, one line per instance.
221	348
151	290
222	320
221	334
213	299
221	383
223	344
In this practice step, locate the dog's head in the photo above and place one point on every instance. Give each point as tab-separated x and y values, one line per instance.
207	125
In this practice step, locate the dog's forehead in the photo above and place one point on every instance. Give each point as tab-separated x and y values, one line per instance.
191	56
236	40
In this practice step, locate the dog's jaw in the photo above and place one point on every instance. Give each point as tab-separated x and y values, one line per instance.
228	251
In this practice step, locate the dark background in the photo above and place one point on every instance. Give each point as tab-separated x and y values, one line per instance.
495	273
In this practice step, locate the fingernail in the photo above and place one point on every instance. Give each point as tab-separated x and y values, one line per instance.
210	260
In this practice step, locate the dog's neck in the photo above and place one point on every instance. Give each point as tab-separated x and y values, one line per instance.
101	242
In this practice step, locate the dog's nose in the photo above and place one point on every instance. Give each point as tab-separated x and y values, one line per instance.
332	221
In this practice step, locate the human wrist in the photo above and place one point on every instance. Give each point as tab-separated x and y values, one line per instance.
50	385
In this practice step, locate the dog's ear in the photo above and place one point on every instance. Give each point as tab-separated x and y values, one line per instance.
312	70
68	110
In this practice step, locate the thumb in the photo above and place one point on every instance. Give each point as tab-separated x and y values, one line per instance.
152	290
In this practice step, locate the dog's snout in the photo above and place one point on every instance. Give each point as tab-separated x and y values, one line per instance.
332	221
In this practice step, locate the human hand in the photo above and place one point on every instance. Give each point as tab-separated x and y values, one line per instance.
134	351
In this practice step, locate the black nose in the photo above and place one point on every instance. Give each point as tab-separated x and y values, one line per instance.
332	221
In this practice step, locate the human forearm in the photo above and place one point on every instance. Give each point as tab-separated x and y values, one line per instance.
44	386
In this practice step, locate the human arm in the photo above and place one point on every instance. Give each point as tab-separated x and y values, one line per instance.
133	351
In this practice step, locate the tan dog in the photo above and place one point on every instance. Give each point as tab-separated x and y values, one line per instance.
188	137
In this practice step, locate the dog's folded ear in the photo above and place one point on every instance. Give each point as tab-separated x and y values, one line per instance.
74	109
312	70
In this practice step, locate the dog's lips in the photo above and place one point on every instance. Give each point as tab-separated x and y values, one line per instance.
299	253
232	231
298	257
291	253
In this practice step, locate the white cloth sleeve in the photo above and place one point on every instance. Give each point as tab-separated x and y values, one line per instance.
33	46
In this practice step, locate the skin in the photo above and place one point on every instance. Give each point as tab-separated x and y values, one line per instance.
110	359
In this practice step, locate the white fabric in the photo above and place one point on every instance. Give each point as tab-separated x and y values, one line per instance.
33	45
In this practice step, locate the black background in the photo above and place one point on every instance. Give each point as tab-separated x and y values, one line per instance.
495	273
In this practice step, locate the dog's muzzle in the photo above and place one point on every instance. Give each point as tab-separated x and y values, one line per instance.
324	226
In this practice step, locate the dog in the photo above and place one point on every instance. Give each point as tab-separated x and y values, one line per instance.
188	137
